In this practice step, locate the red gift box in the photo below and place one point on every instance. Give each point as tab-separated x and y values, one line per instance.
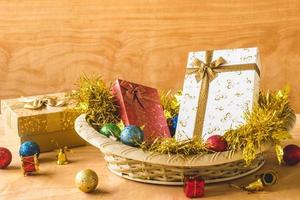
140	106
30	165
194	186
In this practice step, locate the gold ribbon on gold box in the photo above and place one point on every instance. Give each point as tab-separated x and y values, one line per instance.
42	118
36	115
40	102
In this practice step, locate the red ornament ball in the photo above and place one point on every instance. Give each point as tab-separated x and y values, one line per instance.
216	143
5	157
291	154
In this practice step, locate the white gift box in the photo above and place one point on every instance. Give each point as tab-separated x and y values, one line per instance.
230	94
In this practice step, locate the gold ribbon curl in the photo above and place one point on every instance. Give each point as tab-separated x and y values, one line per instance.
207	71
40	102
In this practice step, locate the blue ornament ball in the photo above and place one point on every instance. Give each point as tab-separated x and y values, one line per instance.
173	124
174	121
132	136
29	148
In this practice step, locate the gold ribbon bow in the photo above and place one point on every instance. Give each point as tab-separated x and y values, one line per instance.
134	93
207	71
40	102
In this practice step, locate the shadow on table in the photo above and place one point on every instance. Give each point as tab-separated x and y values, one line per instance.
12	168
53	160
46	159
218	189
97	191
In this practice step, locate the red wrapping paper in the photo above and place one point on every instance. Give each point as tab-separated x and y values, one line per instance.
140	106
194	186
30	165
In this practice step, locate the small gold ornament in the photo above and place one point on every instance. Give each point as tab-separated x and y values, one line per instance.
254	186
86	180
62	156
267	178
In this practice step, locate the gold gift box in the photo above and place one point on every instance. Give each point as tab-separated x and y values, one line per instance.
46	126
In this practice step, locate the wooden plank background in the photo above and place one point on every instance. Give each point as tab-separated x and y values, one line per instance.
46	45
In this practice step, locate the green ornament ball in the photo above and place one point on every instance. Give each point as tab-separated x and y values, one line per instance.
111	129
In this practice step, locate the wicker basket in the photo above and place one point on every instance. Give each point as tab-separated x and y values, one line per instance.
135	164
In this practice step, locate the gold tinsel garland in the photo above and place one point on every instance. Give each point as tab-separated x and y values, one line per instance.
268	123
172	146
170	103
93	98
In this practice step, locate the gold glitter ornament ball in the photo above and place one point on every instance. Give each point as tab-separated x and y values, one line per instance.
86	180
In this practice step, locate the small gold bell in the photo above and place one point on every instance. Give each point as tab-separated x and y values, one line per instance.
254	186
62	156
268	178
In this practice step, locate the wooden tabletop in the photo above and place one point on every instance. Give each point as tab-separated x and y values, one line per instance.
57	182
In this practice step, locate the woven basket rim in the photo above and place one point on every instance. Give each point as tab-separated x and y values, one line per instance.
111	147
